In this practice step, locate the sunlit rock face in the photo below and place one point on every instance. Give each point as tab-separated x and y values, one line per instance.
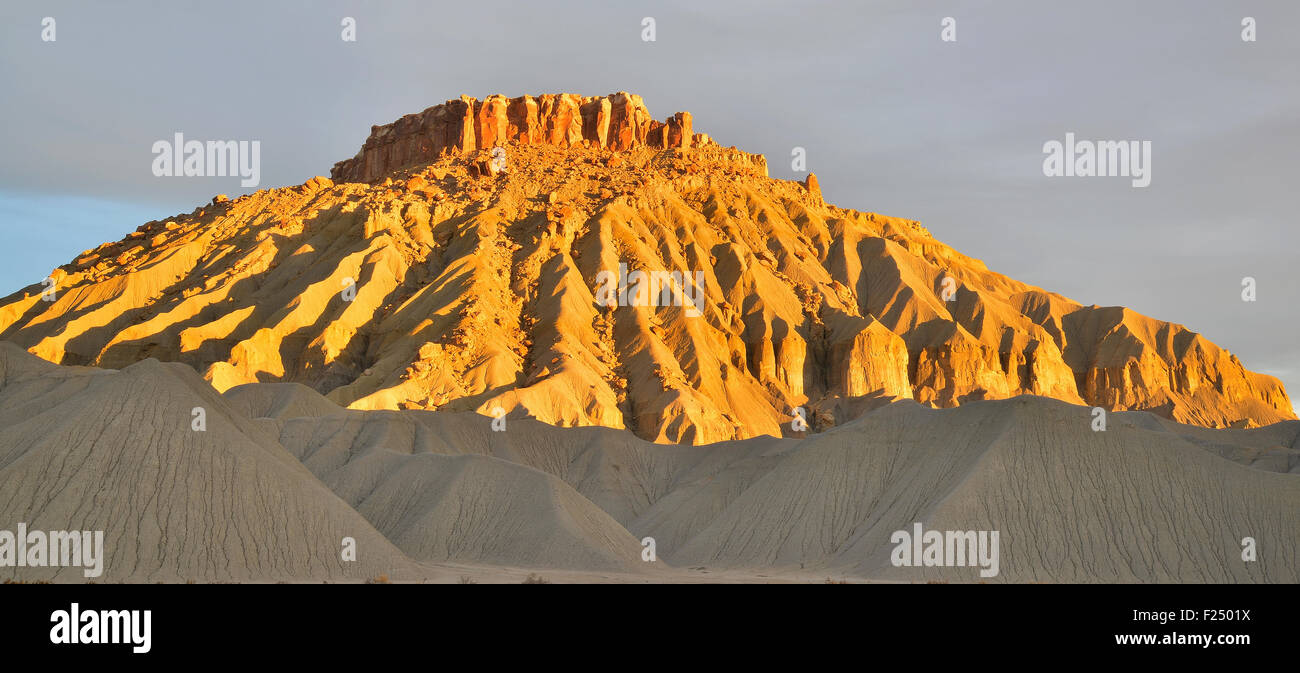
459	262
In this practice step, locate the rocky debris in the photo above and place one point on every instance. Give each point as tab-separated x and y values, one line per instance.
488	164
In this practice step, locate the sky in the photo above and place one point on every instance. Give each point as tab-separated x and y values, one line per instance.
893	119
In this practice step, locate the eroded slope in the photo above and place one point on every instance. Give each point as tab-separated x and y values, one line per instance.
457	283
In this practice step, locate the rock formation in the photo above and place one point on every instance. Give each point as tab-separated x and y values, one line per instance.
619	121
455	265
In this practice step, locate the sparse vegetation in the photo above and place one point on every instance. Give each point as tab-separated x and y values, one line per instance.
466	579
534	578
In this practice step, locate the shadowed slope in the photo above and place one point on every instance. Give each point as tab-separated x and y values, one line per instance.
84	449
1144	500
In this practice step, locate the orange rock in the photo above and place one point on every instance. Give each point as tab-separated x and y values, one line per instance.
595	121
560	119
492	127
619	121
678	131
810	184
802	304
522	124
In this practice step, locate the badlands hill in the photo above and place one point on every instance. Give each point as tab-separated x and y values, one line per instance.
280	475
1145	501
115	451
455	263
